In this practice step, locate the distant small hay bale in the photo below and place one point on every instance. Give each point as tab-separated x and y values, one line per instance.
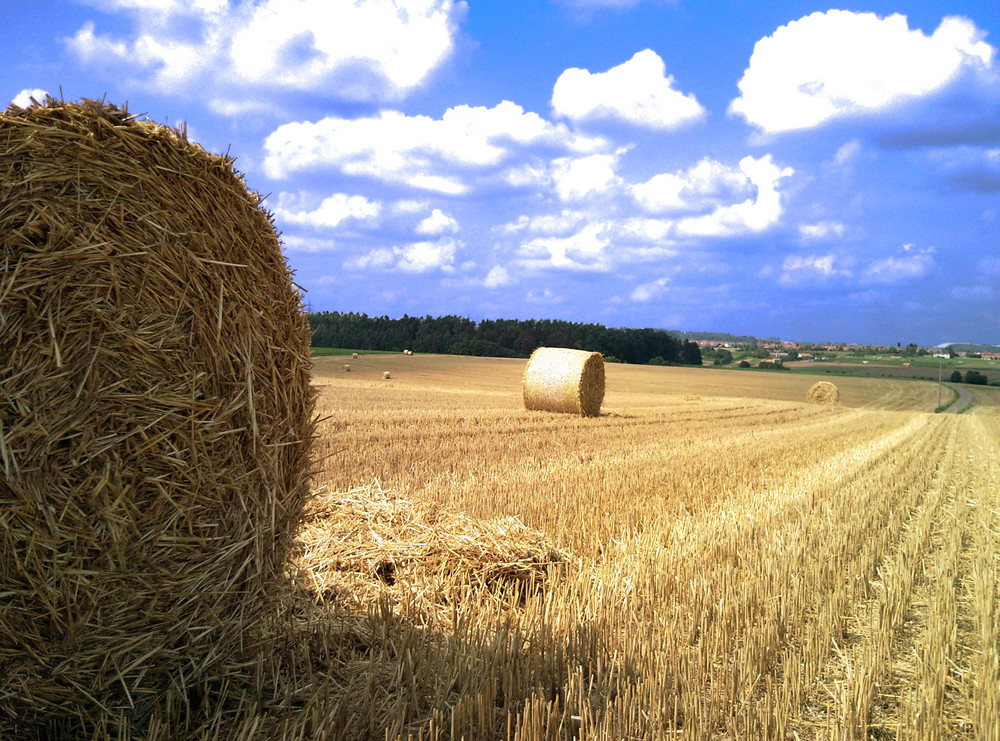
347	368
354	356
558	379
155	424
407	352
823	392
386	375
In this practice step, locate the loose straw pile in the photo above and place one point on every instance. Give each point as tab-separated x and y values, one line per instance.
359	544
155	423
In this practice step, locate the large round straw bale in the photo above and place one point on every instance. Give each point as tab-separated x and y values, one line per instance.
386	375
823	392
558	379
155	421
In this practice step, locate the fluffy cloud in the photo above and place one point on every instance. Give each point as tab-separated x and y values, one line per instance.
419	151
333	211
814	270
649	291
577	179
841	63
822	231
23	98
909	265
752	215
642	230
437	223
369	50
707	184
638	92
704	197
497	277
418	257
805	270
585	250
549	224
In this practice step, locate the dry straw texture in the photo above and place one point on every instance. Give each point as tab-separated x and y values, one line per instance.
354	546
823	392
155	422
562	380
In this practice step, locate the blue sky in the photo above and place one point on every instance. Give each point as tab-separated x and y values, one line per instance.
789	169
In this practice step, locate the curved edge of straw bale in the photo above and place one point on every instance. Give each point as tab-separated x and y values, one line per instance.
167	419
558	379
823	392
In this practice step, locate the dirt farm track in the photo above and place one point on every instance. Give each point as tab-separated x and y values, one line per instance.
710	558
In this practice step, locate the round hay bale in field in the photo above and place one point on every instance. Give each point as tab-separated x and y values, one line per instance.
347	368
354	356
387	375
156	422
823	392
558	379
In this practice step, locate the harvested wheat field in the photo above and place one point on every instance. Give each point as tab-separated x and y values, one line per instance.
712	557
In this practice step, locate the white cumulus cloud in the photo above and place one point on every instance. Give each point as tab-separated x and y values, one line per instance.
585	250
420	151
422	257
909	265
549	224
367	50
842	63
23	98
497	277
803	270
822	230
437	223
755	214
331	212
708	183
638	91
417	257
578	178
649	291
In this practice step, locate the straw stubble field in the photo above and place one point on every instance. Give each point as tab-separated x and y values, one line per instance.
710	558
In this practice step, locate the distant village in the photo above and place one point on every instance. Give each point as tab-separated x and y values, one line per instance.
787	350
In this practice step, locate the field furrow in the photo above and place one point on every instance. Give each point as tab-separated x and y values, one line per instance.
840	704
938	689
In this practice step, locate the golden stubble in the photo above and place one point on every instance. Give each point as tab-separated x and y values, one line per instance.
734	562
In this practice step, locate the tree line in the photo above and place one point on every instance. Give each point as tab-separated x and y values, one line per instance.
512	338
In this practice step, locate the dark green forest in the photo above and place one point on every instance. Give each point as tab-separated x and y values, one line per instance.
505	338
